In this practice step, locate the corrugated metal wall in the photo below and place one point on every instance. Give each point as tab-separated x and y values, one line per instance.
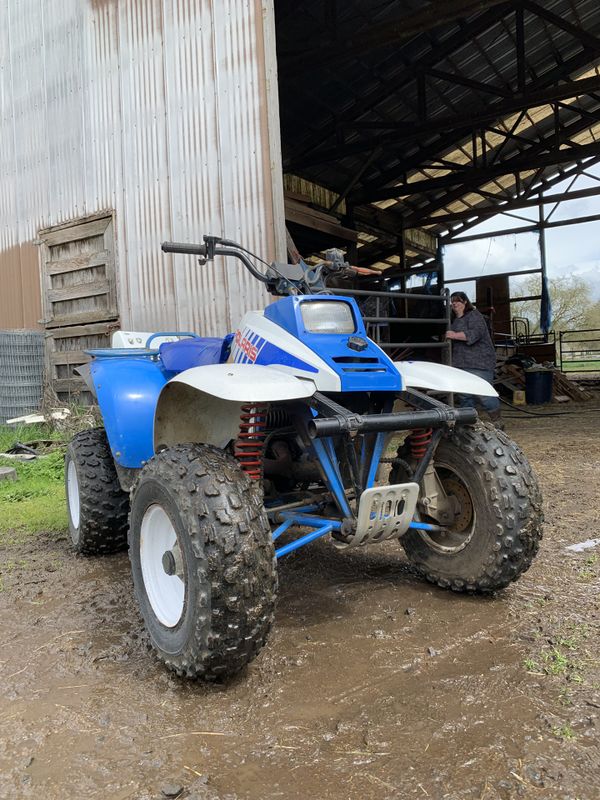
163	110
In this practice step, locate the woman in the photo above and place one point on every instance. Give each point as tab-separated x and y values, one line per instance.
472	350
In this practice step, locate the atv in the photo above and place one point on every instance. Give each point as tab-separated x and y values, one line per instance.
220	456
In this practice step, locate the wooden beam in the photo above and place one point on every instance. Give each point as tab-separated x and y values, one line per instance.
75	263
317	220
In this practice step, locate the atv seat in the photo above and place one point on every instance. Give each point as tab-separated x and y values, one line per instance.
197	352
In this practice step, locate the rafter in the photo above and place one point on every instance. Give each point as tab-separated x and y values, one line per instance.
410	130
377	37
525	161
533	192
578	32
449	196
446	141
369	100
501	208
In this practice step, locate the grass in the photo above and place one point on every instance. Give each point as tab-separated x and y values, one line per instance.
587	573
564	732
36	500
564	656
578	366
9	434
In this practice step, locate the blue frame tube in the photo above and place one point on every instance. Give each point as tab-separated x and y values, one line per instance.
424	526
375	459
282	528
309	537
324	449
305	519
322	528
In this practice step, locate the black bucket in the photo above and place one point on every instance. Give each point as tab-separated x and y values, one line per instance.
538	386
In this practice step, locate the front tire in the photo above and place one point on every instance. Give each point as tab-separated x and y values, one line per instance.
97	506
203	561
498	519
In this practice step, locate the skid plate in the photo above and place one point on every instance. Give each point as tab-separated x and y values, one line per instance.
385	512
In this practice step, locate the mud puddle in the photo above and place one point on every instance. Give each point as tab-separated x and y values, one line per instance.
374	684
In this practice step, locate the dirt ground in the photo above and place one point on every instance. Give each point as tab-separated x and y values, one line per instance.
374	683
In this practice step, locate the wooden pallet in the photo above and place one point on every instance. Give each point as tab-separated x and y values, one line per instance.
513	377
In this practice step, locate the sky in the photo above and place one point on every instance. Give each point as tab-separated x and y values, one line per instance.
570	250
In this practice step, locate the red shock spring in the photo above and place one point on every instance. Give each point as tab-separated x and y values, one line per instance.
419	441
248	448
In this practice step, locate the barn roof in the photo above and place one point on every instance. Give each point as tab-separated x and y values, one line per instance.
433	115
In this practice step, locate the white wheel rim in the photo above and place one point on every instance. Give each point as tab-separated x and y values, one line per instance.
73	494
166	593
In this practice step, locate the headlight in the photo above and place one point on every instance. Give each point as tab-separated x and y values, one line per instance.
322	316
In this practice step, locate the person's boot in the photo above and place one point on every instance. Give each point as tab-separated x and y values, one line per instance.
496	419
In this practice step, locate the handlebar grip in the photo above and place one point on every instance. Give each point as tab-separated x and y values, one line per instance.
181	247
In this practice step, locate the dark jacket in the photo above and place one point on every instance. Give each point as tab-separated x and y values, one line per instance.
478	351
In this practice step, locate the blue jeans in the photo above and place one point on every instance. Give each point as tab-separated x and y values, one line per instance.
471	400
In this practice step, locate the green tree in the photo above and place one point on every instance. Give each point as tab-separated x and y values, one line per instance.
573	307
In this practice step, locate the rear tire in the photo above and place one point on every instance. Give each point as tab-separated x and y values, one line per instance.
97	506
203	561
498	524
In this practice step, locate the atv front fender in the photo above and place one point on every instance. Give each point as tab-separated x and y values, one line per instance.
203	404
127	390
441	378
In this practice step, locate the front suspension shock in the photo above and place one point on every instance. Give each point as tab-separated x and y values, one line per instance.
419	441
249	446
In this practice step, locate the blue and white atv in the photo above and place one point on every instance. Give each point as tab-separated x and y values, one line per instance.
215	451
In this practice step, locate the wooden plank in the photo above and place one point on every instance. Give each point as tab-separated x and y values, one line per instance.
330	228
292	206
73	384
562	385
110	267
45	283
81	319
75	263
75	357
105	213
76	232
71	331
77	292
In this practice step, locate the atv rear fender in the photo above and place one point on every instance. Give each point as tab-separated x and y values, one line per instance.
127	390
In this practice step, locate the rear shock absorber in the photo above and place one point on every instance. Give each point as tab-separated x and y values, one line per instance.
248	447
419	441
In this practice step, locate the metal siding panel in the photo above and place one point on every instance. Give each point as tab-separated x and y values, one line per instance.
219	155
103	130
63	22
30	282
21	185
102	107
145	204
239	71
10	266
29	117
194	163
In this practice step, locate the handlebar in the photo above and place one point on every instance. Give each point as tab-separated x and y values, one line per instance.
278	279
215	246
187	249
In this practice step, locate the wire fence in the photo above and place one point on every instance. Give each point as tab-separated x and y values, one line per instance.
21	373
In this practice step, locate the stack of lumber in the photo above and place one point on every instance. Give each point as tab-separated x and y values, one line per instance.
562	385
